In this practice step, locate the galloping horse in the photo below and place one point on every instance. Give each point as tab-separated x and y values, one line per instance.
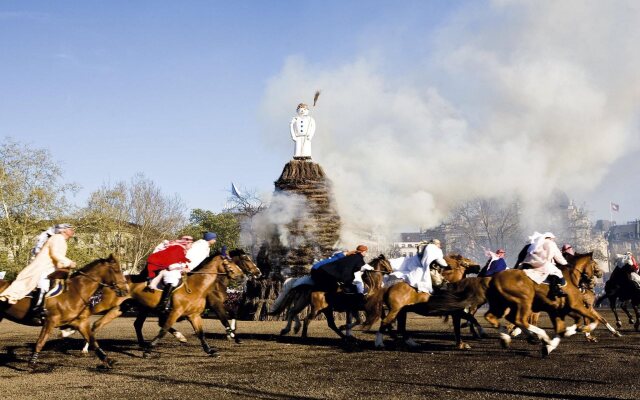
620	287
72	306
586	286
188	301
111	303
218	295
513	294
402	298
298	298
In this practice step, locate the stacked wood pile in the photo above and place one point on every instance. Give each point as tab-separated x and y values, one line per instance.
318	234
312	238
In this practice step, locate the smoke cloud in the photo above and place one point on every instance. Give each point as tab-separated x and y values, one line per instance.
512	98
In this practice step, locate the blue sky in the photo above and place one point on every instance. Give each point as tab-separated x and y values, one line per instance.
177	90
170	89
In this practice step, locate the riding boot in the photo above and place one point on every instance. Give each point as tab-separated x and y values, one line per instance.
38	312
554	287
165	300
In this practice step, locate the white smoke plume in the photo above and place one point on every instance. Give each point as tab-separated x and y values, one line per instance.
509	97
284	209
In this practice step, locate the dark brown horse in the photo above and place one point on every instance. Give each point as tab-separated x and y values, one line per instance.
297	299
401	298
621	287
512	294
218	295
72	306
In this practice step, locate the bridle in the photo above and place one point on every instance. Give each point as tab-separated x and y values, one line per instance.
115	284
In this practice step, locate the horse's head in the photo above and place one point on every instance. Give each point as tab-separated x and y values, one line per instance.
381	264
587	267
232	269
372	277
107	272
245	263
458	261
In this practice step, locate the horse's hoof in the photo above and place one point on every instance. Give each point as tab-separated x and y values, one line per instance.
533	340
617	334
213	353
592	339
544	351
631	322
618	324
463	346
238	340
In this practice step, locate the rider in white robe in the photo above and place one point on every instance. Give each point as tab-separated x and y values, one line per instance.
420	276
542	255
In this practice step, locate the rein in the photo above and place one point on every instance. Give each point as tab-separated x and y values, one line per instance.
225	264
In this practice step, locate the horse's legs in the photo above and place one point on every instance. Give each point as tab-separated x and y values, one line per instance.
289	318
102	321
636	326
385	324
460	345
612	304
164	328
403	332
594	316
624	306
331	322
196	323
42	339
219	309
473	324
313	312
87	333
138	324
296	306
492	316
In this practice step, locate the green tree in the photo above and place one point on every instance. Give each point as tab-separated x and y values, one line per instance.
225	224
32	197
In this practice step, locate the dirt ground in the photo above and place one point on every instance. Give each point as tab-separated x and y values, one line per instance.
266	366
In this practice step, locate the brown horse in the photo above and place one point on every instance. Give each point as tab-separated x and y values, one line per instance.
401	298
111	303
188	301
72	306
586	286
512	294
300	297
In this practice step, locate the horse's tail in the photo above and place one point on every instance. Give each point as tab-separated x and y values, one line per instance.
442	303
283	299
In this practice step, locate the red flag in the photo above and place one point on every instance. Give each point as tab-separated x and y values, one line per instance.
615	207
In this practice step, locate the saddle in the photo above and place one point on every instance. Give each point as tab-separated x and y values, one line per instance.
59	273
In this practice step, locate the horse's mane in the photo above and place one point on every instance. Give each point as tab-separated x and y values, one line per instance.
236	253
205	262
91	265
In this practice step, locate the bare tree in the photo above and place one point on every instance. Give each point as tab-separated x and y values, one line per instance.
31	191
131	218
485	224
246	204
